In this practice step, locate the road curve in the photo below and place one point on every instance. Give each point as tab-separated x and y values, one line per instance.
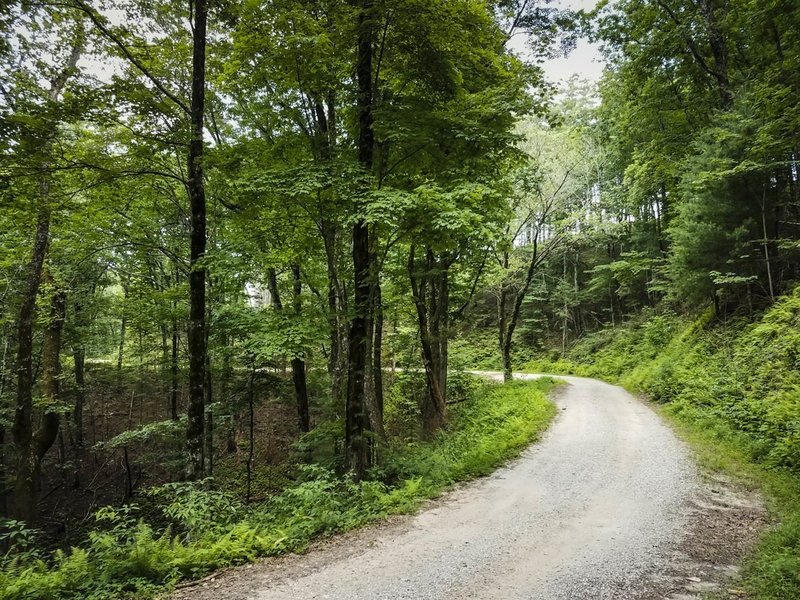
590	512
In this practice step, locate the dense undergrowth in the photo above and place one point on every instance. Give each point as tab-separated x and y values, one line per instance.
201	529
734	390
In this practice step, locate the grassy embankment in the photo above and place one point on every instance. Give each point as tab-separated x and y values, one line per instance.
202	530
733	391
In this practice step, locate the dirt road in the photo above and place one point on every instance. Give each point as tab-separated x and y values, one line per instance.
593	511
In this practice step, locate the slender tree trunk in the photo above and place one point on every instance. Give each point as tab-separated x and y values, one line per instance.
444	326
766	244
197	275
377	346
337	358
3	490
566	313
31	446
3	362
79	356
355	455
371	402
501	303
165	363
434	408
514	317
252	426
121	351
209	432
173	395
298	364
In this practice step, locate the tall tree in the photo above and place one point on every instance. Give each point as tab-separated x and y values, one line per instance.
32	444
356	457
197	273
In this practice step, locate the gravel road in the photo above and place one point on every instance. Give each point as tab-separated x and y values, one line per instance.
587	513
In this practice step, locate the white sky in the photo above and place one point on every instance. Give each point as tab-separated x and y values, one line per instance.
585	60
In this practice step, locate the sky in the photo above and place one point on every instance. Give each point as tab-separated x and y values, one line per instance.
585	60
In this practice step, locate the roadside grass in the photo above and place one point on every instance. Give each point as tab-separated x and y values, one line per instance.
202	530
733	391
772	571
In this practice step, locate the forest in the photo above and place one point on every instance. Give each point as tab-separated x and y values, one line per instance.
252	250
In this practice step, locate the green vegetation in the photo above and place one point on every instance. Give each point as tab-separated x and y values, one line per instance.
136	552
733	390
254	242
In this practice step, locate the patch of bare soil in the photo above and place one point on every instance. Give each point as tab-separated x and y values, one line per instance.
725	523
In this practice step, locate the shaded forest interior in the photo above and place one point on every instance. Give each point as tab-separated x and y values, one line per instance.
249	252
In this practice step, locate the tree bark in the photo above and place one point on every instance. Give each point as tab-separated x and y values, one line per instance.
30	455
209	426
434	408
356	456
197	276
337	313
298	363
514	317
377	345
121	350
443	326
22	428
31	446
502	301
79	356
173	394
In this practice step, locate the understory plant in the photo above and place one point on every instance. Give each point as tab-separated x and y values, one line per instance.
129	556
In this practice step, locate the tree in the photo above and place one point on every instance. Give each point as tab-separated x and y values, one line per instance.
32	444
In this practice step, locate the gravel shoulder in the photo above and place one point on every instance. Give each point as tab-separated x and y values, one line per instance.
608	505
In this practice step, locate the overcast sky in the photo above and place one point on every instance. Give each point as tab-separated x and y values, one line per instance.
585	61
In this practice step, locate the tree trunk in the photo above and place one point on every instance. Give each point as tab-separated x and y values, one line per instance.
766	244
22	428
298	364
514	317
566	312
371	403
434	408
197	275
355	456
377	345
337	314
444	324
501	302
209	432
30	445
173	395
121	351
79	355
39	442
251	431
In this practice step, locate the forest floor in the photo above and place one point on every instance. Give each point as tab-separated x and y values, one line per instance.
609	505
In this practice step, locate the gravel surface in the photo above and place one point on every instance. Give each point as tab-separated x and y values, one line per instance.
591	512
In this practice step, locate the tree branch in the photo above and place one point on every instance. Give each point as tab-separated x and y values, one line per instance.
98	23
